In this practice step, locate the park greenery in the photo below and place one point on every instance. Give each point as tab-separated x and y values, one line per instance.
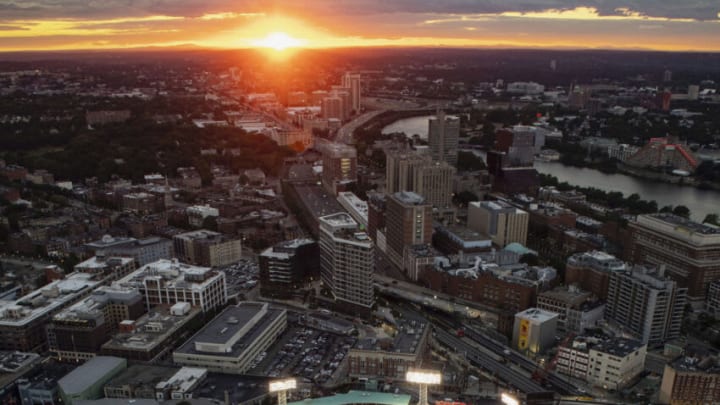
139	147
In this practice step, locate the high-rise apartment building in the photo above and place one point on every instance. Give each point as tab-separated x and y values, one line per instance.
434	181
409	222
645	303
501	221
347	263
332	107
409	171
690	251
352	81
443	135
339	166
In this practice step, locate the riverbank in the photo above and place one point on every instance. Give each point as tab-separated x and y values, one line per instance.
700	201
689	181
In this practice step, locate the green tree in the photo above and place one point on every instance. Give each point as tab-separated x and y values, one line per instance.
681	211
711	219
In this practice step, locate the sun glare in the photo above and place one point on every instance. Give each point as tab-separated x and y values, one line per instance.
278	41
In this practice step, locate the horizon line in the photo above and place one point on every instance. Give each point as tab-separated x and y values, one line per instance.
190	46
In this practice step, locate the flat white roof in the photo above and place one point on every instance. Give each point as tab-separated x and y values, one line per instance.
46	300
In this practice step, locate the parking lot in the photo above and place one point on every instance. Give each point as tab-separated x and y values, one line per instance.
241	276
304	352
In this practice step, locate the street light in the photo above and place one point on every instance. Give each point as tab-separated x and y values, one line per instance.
282	387
423	378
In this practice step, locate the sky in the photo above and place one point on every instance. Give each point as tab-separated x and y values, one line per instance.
671	25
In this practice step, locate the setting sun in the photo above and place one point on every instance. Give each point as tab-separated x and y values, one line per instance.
278	41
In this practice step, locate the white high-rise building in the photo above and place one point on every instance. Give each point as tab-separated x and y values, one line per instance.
646	304
347	263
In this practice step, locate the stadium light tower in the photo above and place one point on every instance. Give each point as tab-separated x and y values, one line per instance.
423	378
508	399
282	387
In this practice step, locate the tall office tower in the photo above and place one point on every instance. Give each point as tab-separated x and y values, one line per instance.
399	169
407	171
501	221
332	107
443	134
409	222
339	166
434	181
689	250
352	82
345	95
347	263
646	304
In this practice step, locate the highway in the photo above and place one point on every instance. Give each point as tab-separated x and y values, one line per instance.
416	294
552	378
345	133
501	350
482	360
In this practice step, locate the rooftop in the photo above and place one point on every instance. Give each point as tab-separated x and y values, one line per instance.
318	201
92	306
142	375
101	262
199	234
11	362
151	329
231	332
408	332
690	225
409	198
110	241
285	249
598	260
535	314
46	300
615	346
174	273
240	388
697	359
87	374
567	294
358	397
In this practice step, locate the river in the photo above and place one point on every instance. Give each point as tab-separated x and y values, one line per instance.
700	202
410	126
